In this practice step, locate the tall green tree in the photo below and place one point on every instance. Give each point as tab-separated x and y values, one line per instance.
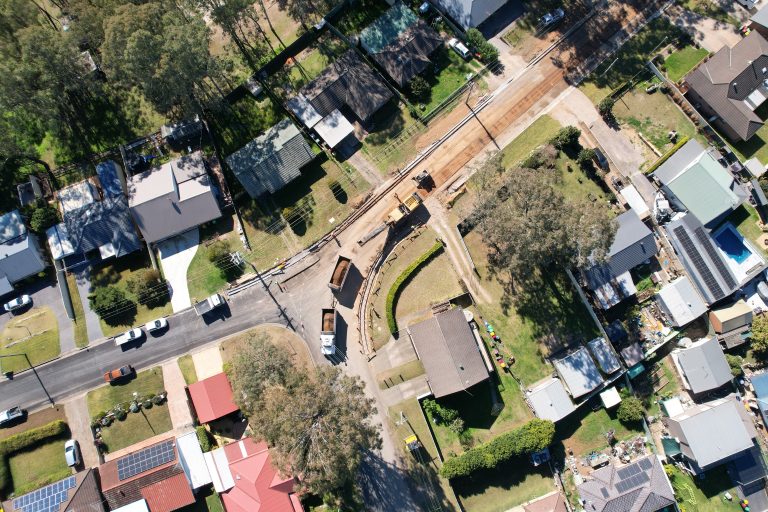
258	365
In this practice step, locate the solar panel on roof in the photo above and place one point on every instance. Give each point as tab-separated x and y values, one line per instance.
706	242
698	262
144	460
604	492
645	464
46	499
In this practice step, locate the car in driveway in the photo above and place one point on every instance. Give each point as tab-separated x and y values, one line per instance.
156	325
72	453
460	48
17	303
119	373
11	415
128	336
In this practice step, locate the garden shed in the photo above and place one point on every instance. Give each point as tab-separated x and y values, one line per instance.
578	372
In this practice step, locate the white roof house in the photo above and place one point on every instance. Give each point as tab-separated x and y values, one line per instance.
680	302
550	401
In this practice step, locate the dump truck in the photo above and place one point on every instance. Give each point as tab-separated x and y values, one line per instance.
328	332
404	208
340	273
206	306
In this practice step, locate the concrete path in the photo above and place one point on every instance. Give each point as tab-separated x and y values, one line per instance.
709	33
175	256
177	405
79	422
207	362
82	278
393	354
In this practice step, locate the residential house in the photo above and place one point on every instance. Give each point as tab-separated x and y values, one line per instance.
348	85
732	324
549	400
172	199
633	245
702	366
552	502
272	160
706	266
578	372
76	493
247	481
680	302
20	254
469	13
694	427
692	179
449	351
154	474
212	398
333	129
641	486
401	43
759	384
728	87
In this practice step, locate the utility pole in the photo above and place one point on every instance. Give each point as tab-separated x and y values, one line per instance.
32	367
269	292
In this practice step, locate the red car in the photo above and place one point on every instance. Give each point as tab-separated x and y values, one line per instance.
118	374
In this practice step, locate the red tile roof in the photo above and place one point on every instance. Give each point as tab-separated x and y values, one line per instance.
168	495
212	398
258	486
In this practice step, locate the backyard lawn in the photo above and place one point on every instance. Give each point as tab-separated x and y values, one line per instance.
746	220
80	328
680	62
584	430
116	273
507	486
243	121
34	333
704	495
187	366
31	469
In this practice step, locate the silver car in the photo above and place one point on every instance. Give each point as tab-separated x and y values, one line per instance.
18	303
72	453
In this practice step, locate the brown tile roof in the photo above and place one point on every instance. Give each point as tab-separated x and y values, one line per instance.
169	494
552	503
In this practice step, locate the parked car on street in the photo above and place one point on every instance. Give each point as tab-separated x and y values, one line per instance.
602	162
18	303
120	373
460	48
11	415
72	453
552	17
127	336
156	325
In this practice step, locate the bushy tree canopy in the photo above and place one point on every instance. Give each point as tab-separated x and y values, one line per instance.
760	333
43	218
148	287
630	410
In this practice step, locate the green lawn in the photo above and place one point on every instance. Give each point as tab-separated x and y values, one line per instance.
107	396
34	333
508	485
203	277
704	495
540	131
746	219
392	141
116	273
309	65
398	374
682	61
452	75
584	431
434	282
80	328
757	145
187	366
31	469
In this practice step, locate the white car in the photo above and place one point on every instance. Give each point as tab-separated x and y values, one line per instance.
128	336
72	453
460	48
156	325
10	415
18	303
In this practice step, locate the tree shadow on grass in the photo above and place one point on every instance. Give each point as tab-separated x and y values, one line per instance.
506	477
385	124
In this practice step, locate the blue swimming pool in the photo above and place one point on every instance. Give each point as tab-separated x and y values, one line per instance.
732	245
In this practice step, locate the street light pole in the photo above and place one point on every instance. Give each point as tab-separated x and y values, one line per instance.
32	367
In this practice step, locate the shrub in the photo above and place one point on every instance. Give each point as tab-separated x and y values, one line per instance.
605	108
107	299
535	435
439	414
148	287
586	157
120	414
218	253
420	88
657	163
630	410
487	53
567	139
734	362
43	218
457	426
204	438
533	161
402	280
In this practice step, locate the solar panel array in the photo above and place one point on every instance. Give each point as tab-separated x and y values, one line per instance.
706	242
144	460
698	262
633	476
45	499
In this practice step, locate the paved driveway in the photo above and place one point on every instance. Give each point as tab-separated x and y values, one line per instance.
710	34
92	324
175	256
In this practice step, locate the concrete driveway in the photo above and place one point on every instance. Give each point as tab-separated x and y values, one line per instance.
175	256
709	33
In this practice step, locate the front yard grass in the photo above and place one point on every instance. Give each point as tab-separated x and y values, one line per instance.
451	73
391	141
116	273
682	61
80	327
187	367
35	420
107	396
281	337
42	465
505	487
34	333
398	374
538	133
433	283
704	495
203	277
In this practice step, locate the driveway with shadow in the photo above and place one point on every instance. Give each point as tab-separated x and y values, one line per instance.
83	280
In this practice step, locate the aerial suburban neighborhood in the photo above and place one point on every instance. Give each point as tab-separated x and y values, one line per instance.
377	255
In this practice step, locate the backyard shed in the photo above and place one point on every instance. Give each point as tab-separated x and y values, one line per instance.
334	129
733	317
635	201
578	372
212	398
703	366
680	302
549	400
610	398
449	352
604	355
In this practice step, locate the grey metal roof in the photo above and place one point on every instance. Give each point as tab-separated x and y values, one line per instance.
679	160
102	223
712	432
19	254
761	16
387	28
681	302
632	245
173	199
604	354
705	366
632	354
758	193
728	77
349	82
109	178
579	372
447	348
641	486
550	401
701	259
271	161
470	13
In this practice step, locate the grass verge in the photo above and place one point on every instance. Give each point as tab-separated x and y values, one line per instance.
80	327
187	366
34	333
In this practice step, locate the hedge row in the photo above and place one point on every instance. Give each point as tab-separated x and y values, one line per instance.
22	441
204	438
668	154
535	435
402	280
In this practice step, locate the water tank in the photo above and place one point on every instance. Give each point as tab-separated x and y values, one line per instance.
762	290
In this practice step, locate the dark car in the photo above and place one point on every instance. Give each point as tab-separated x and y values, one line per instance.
602	162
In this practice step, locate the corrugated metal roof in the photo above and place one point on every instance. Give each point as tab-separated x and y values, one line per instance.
408	54
705	366
102	223
550	401
387	28
681	302
212	398
109	178
579	372
604	354
168	495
